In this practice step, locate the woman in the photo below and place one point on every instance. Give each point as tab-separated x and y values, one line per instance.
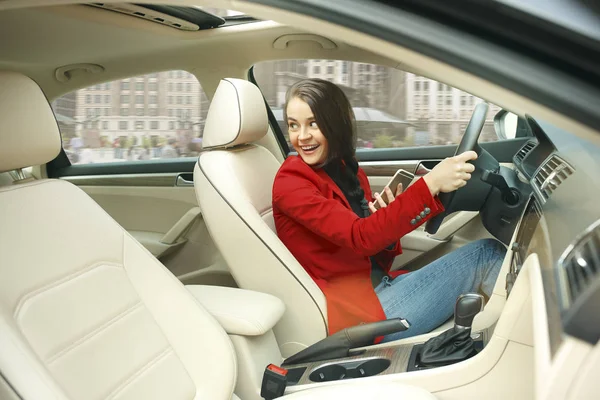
324	213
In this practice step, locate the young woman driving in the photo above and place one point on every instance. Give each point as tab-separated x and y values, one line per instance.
324	213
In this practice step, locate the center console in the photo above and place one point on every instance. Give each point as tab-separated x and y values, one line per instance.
366	363
451	346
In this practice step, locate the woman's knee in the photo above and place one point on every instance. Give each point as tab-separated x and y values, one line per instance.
492	245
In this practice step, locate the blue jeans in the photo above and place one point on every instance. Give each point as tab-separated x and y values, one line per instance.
426	297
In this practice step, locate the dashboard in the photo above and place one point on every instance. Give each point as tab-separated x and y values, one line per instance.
561	224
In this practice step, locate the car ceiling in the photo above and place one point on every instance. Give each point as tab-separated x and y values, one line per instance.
37	41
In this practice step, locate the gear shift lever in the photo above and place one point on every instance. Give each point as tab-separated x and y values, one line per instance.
466	308
455	344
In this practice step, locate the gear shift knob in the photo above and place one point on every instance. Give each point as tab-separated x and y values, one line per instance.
466	308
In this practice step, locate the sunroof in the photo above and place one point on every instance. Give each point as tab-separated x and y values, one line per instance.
221	12
184	18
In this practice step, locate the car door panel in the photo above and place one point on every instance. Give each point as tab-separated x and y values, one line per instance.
160	210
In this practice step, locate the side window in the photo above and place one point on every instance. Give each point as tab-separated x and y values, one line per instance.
393	108
133	119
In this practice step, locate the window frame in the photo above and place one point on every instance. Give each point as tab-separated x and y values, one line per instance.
275	128
502	150
61	166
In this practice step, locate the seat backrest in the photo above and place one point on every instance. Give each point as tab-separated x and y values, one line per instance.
85	311
234	182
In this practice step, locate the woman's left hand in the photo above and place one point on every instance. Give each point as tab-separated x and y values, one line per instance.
390	196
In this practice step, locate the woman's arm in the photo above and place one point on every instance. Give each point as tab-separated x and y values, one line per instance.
300	199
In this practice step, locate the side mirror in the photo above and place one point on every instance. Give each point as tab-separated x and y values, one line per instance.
505	124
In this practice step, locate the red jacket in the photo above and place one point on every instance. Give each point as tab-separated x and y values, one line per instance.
316	223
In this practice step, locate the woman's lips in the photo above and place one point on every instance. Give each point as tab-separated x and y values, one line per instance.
309	149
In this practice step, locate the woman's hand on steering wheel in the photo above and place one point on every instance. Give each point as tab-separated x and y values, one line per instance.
451	173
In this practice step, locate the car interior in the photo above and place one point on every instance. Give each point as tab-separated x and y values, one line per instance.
165	278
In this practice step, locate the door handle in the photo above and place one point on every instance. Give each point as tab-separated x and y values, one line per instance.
181	226
181	181
422	170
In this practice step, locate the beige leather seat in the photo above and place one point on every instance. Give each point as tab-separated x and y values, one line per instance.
86	311
233	182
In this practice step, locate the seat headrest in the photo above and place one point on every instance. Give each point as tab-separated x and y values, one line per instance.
237	115
29	133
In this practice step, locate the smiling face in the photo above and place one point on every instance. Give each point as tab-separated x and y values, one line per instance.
305	135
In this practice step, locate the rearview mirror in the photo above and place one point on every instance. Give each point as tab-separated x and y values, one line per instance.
505	124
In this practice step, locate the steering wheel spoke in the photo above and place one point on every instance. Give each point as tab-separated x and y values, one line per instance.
468	142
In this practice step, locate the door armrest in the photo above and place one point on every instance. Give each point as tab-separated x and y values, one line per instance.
239	311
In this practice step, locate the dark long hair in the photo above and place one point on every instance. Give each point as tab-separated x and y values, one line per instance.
335	118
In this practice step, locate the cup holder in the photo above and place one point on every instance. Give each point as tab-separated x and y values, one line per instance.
328	373
373	367
350	369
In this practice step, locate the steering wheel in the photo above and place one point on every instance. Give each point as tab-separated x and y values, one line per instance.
468	142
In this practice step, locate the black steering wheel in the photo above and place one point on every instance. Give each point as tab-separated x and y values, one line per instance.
468	142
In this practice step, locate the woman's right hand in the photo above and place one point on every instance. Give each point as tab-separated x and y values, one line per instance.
451	173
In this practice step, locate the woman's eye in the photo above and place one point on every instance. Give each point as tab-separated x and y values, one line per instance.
313	124
293	126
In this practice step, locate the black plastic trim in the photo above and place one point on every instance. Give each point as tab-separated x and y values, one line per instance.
203	19
60	162
340	343
469	48
415	357
184	164
502	150
582	319
272	120
294	375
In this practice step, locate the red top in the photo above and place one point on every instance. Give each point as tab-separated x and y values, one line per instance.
316	223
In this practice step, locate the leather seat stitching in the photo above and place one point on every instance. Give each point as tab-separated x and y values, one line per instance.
43	287
140	371
102	327
175	281
251	322
267	211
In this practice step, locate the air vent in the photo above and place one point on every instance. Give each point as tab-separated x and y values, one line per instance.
579	284
521	154
551	174
148	14
580	264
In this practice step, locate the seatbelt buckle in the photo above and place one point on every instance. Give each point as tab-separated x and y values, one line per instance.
274	382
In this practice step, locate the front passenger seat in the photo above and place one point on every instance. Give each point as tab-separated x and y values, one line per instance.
85	311
234	182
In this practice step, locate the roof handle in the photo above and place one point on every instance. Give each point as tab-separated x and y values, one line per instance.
65	73
282	42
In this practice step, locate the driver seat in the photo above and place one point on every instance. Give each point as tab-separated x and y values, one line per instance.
233	182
